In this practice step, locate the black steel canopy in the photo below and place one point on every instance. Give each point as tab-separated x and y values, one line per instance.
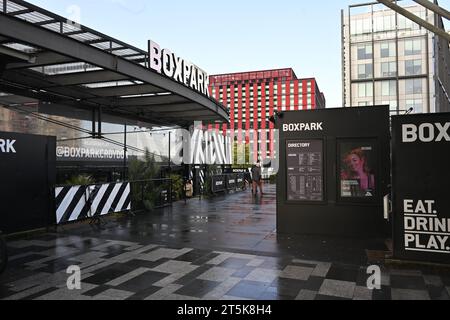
47	58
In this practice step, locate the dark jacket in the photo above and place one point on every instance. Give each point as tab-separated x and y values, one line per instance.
256	173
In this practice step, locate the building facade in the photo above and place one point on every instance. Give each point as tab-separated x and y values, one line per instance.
389	60
253	97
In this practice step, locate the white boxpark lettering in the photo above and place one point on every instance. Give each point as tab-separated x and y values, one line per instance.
426	132
298	127
169	64
7	146
424	230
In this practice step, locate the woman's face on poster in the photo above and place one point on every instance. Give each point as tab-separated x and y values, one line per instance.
356	163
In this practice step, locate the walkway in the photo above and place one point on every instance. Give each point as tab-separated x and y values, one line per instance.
222	248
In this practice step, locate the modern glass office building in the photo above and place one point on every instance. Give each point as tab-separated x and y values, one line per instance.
253	97
389	60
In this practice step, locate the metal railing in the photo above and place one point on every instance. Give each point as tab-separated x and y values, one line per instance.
147	195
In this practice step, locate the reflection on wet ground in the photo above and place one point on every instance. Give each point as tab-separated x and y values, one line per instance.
220	248
237	221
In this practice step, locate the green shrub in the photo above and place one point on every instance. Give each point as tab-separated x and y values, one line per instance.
80	180
273	178
177	186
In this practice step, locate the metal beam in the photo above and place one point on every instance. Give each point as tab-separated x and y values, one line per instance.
78	78
414	18
17	54
42	59
52	41
176	107
435	8
140	101
33	80
128	90
42	23
17	13
73	33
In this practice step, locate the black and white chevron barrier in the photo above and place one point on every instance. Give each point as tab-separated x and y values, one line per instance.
79	202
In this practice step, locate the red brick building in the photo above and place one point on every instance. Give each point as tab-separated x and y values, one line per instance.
253	97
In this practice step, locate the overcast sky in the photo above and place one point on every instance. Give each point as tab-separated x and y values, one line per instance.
229	36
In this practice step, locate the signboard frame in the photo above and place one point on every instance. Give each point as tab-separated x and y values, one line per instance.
375	158
426	200
323	160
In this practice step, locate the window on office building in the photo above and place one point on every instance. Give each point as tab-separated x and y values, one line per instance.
387	49
388	69
413	86
361	26
365	71
413	67
413	47
365	89
365	52
389	88
415	104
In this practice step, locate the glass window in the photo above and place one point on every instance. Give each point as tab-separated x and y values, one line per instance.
415	104
365	89
389	88
388	69
413	47
414	86
387	49
365	52
378	24
365	71
413	67
389	23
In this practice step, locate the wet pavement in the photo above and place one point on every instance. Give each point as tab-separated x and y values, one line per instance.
220	248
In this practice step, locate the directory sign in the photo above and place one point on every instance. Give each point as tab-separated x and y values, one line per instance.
305	170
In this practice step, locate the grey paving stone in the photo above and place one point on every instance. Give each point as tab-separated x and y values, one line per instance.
28	292
170	279
218	292
255	263
362	293
164	292
234	298
28	282
263	275
321	270
220	258
174	266
89	256
113	294
127	277
337	288
306	295
297	273
65	294
408	294
217	274
163	253
179	297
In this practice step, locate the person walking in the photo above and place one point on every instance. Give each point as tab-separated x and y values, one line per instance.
257	179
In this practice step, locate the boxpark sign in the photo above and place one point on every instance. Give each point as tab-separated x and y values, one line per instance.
169	64
421	184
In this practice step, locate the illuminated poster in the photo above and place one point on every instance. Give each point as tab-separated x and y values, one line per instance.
357	170
305	170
